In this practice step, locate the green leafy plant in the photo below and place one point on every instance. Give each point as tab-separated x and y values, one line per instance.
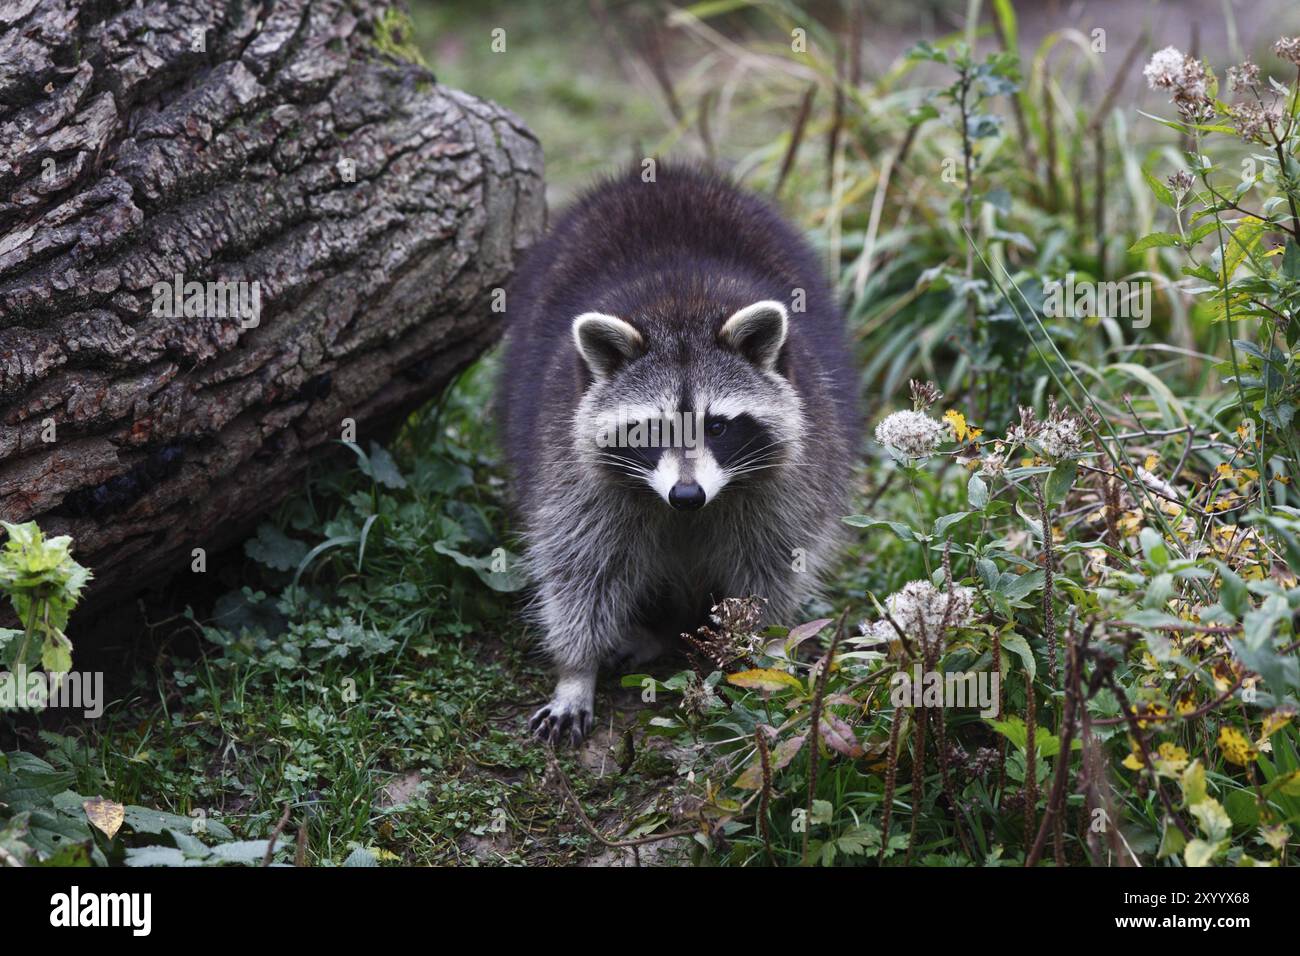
43	583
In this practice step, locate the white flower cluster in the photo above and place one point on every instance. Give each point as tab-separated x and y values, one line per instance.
920	610
1060	438
911	434
1166	69
1184	77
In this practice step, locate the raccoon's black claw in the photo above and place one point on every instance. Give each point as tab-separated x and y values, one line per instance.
556	722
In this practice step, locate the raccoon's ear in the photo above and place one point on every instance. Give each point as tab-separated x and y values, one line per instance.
757	332
605	342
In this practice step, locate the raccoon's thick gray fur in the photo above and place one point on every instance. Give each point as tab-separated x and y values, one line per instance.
657	302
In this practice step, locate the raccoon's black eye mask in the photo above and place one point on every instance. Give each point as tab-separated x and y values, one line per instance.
733	442
741	439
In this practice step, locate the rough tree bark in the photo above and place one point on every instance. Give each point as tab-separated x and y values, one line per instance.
284	142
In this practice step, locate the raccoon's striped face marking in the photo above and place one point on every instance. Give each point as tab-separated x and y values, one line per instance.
728	449
686	419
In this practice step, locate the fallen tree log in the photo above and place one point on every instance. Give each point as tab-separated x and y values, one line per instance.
226	229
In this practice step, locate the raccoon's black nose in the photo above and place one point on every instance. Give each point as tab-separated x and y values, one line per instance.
686	496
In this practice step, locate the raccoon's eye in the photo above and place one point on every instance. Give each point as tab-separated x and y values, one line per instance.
715	428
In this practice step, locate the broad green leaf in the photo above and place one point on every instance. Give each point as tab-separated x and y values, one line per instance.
1020	647
1154	240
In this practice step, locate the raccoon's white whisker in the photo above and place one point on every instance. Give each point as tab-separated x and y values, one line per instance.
622	464
758	451
768	461
750	471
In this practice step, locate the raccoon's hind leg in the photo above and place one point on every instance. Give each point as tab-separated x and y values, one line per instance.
640	646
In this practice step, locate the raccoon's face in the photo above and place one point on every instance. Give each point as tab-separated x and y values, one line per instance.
692	414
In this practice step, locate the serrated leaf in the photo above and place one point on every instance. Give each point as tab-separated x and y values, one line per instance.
275	549
1200	852
56	655
900	529
1241	243
1162	192
241	851
1020	647
383	469
360	857
944	522
1059	481
1172	842
1024	585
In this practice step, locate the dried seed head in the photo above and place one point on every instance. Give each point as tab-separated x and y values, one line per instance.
1288	48
733	636
912	434
924	394
1185	77
1181	183
1253	122
1244	76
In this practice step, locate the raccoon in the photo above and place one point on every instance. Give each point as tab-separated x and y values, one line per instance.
679	415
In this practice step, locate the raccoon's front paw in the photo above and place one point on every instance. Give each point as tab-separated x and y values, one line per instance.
560	720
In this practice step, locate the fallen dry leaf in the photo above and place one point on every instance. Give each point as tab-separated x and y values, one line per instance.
105	815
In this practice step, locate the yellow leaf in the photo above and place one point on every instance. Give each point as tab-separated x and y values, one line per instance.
1199	852
1171	759
1151	462
1275	836
764	678
1235	747
1275	722
1224	470
105	815
1240	244
958	422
